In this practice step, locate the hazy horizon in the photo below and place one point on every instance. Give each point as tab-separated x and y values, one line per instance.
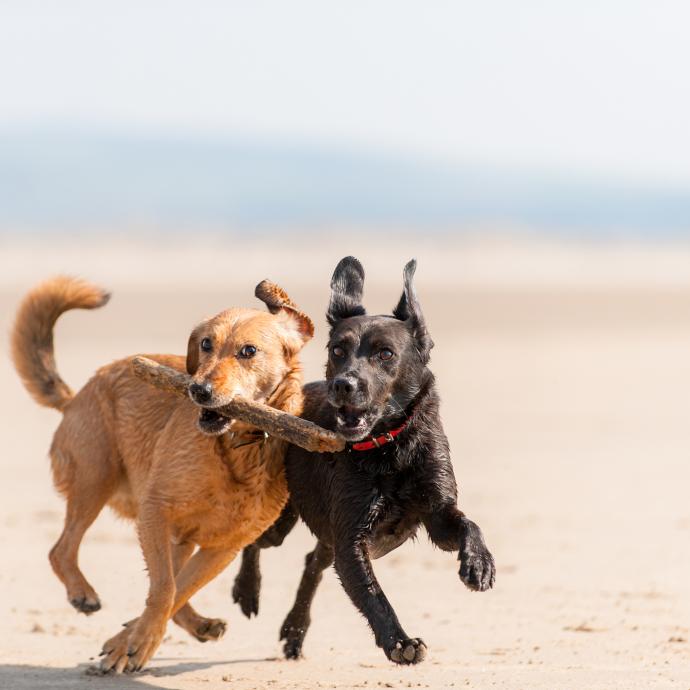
104	180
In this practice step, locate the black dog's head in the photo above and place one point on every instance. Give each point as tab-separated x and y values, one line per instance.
376	364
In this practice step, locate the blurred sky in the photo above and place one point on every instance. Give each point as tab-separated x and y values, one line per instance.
599	87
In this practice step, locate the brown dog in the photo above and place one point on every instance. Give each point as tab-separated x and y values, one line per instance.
161	461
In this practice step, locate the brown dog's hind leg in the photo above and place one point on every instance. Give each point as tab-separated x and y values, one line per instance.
83	506
202	629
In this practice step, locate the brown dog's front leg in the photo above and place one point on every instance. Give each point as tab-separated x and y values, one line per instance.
136	644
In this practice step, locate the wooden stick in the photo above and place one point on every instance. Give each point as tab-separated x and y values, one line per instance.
295	430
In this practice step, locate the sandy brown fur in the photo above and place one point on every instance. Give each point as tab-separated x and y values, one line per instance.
140	451
32	336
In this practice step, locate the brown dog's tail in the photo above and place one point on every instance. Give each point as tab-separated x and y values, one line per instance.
32	335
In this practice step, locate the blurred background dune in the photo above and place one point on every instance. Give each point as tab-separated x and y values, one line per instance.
533	156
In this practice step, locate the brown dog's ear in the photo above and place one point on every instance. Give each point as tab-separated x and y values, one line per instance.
193	352
277	300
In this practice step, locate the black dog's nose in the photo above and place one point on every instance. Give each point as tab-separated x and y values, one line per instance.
342	387
201	392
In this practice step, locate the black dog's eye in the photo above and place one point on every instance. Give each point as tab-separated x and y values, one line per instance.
206	344
338	351
386	354
248	351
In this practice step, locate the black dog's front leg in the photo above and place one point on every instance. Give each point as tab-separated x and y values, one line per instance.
355	572
247	587
450	530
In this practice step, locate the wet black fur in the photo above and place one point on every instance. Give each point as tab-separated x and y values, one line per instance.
363	504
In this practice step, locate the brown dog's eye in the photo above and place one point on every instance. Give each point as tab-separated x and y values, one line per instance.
338	352
206	344
247	352
386	354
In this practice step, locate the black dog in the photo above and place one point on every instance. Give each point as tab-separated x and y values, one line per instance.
365	501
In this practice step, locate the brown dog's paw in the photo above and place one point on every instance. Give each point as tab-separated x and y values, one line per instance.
209	629
410	651
114	652
200	628
86	604
132	648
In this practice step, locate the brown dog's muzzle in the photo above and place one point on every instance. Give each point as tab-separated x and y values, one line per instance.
210	422
201	393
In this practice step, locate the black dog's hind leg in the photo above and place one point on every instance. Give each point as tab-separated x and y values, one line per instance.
247	587
450	530
357	576
297	621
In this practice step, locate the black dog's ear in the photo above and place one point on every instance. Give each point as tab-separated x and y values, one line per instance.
347	286
408	309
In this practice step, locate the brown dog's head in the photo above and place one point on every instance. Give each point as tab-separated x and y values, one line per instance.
244	352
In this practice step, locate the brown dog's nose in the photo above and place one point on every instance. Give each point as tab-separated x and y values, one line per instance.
342	387
201	392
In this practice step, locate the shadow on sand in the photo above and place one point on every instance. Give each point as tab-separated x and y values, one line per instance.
26	677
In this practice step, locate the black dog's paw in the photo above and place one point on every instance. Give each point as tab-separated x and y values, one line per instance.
245	592
294	637
409	651
477	570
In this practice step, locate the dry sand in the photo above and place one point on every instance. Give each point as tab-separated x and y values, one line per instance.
565	377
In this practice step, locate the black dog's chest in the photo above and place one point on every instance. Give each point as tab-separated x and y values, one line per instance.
391	519
388	534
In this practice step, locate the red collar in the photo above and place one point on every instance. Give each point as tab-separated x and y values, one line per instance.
378	441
